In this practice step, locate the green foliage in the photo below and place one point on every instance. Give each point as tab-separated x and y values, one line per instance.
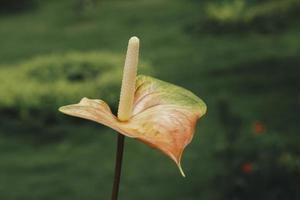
242	15
252	153
226	11
83	8
13	6
36	88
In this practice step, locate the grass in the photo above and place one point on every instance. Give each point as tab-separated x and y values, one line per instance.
71	160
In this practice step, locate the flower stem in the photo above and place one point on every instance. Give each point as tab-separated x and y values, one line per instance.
125	105
118	167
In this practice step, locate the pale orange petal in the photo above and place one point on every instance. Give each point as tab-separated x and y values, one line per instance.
95	110
164	116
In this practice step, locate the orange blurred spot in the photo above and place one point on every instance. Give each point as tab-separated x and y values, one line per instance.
247	168
259	128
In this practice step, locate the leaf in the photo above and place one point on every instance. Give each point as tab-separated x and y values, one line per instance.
164	116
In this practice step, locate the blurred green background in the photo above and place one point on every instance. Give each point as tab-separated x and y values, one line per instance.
242	57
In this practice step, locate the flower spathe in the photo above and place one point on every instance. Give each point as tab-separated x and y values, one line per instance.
164	115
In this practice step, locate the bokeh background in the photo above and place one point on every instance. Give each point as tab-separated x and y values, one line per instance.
242	57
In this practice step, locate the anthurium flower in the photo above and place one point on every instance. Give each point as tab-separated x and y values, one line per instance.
160	114
164	115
